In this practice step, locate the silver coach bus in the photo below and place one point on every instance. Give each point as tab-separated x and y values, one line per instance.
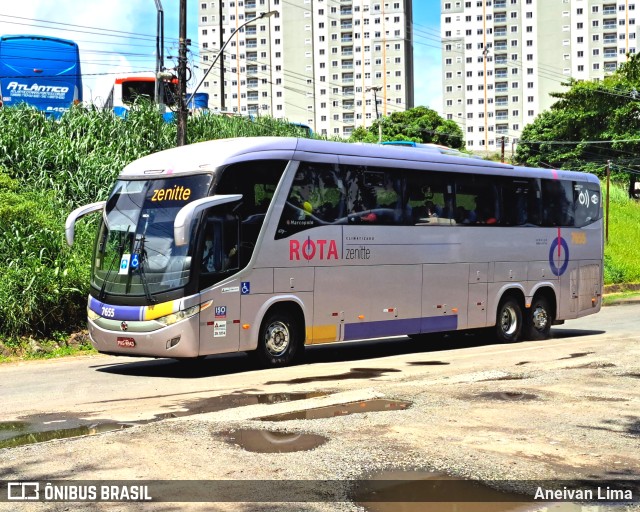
266	245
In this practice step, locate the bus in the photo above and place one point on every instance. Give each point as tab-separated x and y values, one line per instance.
267	245
126	90
40	71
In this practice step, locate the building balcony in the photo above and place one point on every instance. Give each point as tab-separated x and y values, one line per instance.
252	84
346	40
347	91
347	52
346	26
250	4
609	26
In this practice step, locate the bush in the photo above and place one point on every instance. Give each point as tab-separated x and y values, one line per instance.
43	284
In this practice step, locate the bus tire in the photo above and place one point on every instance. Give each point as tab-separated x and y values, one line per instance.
508	320
279	340
539	319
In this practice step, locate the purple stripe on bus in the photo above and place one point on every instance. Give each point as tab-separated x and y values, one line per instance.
400	327
111	312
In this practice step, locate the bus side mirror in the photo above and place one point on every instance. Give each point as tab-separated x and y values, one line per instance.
69	227
182	224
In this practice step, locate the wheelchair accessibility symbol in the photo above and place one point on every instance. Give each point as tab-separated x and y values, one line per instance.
559	256
245	288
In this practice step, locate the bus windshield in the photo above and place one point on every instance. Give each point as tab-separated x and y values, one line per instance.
135	253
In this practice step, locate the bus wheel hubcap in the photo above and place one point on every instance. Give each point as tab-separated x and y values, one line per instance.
540	318
277	338
509	320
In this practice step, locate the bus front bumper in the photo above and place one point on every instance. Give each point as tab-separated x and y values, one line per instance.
139	339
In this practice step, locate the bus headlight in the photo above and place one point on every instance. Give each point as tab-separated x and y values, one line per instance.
92	315
180	315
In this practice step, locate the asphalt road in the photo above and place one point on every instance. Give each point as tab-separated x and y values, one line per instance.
565	408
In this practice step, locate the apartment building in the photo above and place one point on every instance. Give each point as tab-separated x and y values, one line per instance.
333	65
502	58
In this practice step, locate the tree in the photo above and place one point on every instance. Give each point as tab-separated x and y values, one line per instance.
590	124
419	124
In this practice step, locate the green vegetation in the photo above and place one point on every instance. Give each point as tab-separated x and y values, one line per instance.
591	124
621	255
419	124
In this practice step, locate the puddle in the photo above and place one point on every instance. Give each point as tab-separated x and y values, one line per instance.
49	435
38	430
420	491
508	396
269	441
577	354
375	405
605	399
428	363
354	373
507	377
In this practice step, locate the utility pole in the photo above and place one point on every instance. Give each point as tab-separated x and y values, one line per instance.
182	76
606	230
375	100
502	150
223	105
159	89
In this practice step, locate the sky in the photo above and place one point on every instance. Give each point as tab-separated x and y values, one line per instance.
118	37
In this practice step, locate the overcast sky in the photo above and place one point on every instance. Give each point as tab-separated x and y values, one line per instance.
117	37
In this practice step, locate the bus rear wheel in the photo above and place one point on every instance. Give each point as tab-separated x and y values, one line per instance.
279	340
539	319
509	320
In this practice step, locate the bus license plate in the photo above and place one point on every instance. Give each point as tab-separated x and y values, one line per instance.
126	342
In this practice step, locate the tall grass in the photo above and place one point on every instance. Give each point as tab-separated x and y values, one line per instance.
621	252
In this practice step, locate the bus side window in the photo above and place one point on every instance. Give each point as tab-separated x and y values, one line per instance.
557	201
316	198
220	245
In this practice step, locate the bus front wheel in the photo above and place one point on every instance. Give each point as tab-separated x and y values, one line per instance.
509	320
279	340
539	319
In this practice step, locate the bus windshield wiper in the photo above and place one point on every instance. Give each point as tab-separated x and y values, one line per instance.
142	252
116	257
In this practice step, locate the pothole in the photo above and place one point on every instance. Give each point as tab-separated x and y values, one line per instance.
331	411
576	354
428	363
420	491
354	373
63	433
268	441
510	396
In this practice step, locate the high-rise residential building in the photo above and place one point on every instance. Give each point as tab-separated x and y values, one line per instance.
502	58
333	65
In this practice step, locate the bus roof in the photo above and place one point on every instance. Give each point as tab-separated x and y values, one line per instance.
23	37
206	156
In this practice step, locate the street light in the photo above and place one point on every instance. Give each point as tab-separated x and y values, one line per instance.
259	17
